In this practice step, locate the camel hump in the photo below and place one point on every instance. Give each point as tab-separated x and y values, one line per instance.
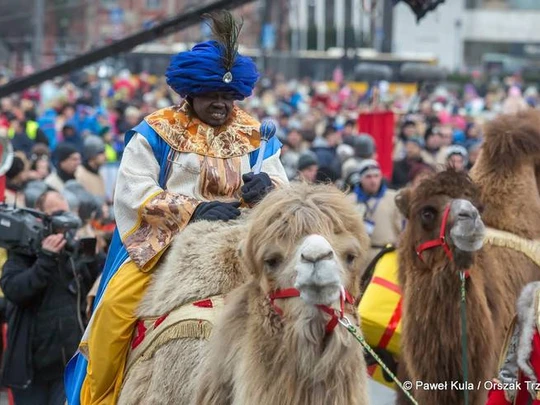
511	137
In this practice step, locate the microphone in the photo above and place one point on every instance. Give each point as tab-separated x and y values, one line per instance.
267	131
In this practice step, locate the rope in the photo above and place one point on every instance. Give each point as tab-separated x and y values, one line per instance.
350	327
464	361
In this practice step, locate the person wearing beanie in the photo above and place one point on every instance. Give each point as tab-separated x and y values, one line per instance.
66	159
364	148
457	158
434	152
409	129
307	168
16	178
382	219
413	156
197	157
88	174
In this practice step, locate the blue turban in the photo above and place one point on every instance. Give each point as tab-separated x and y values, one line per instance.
201	70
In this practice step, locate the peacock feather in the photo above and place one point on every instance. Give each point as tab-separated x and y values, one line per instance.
226	31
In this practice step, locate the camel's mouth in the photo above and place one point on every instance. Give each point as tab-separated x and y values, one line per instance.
314	294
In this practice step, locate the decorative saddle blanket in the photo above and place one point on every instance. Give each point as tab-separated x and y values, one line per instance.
193	320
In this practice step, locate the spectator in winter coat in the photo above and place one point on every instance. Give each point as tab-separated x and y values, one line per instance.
88	173
307	167
325	149
434	152
413	157
457	158
364	148
45	314
70	135
67	160
16	178
382	219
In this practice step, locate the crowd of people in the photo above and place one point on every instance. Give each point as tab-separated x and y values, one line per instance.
68	138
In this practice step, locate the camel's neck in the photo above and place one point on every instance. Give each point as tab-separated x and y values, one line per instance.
511	200
298	357
432	322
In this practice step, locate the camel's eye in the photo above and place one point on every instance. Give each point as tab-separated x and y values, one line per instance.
273	261
428	215
350	258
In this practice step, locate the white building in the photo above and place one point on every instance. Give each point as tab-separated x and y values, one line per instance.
461	32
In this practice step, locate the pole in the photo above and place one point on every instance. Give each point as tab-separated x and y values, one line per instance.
39	16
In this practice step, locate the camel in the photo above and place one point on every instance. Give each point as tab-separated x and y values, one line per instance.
507	179
279	270
430	282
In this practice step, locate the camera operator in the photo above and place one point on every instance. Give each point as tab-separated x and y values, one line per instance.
45	294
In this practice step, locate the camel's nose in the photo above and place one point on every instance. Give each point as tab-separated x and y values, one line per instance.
316	248
464	210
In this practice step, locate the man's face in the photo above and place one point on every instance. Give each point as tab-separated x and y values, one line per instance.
214	108
54	202
413	149
99	160
457	162
334	138
294	138
409	130
309	173
434	141
447	135
371	182
71	163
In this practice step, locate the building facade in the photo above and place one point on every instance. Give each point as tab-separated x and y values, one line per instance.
472	33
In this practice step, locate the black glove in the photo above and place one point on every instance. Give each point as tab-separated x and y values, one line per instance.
216	211
255	187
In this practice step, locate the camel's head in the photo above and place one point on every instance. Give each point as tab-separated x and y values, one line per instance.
309	238
443	220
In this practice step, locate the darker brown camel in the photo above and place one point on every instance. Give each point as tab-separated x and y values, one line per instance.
507	188
431	340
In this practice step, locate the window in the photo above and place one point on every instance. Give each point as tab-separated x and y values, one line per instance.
153	4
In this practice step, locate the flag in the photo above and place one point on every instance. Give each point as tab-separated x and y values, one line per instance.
380	125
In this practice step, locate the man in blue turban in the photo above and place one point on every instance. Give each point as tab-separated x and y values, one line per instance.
181	164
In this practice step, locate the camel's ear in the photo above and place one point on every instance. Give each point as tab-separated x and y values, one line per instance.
403	200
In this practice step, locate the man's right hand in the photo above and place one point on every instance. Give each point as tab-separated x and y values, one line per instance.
53	243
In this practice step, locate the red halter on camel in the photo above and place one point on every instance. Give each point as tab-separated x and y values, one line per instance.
335	314
441	241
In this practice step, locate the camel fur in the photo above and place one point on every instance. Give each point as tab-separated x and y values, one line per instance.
202	262
255	355
431	337
507	173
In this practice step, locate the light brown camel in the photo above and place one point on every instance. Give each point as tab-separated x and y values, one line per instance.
304	237
431	337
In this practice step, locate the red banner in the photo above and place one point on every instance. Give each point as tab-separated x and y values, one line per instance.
380	125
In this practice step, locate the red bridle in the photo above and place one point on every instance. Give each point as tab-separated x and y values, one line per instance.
441	241
336	315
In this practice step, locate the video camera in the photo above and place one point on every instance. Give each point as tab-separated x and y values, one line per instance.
23	229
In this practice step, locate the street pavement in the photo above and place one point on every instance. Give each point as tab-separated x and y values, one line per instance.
380	394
